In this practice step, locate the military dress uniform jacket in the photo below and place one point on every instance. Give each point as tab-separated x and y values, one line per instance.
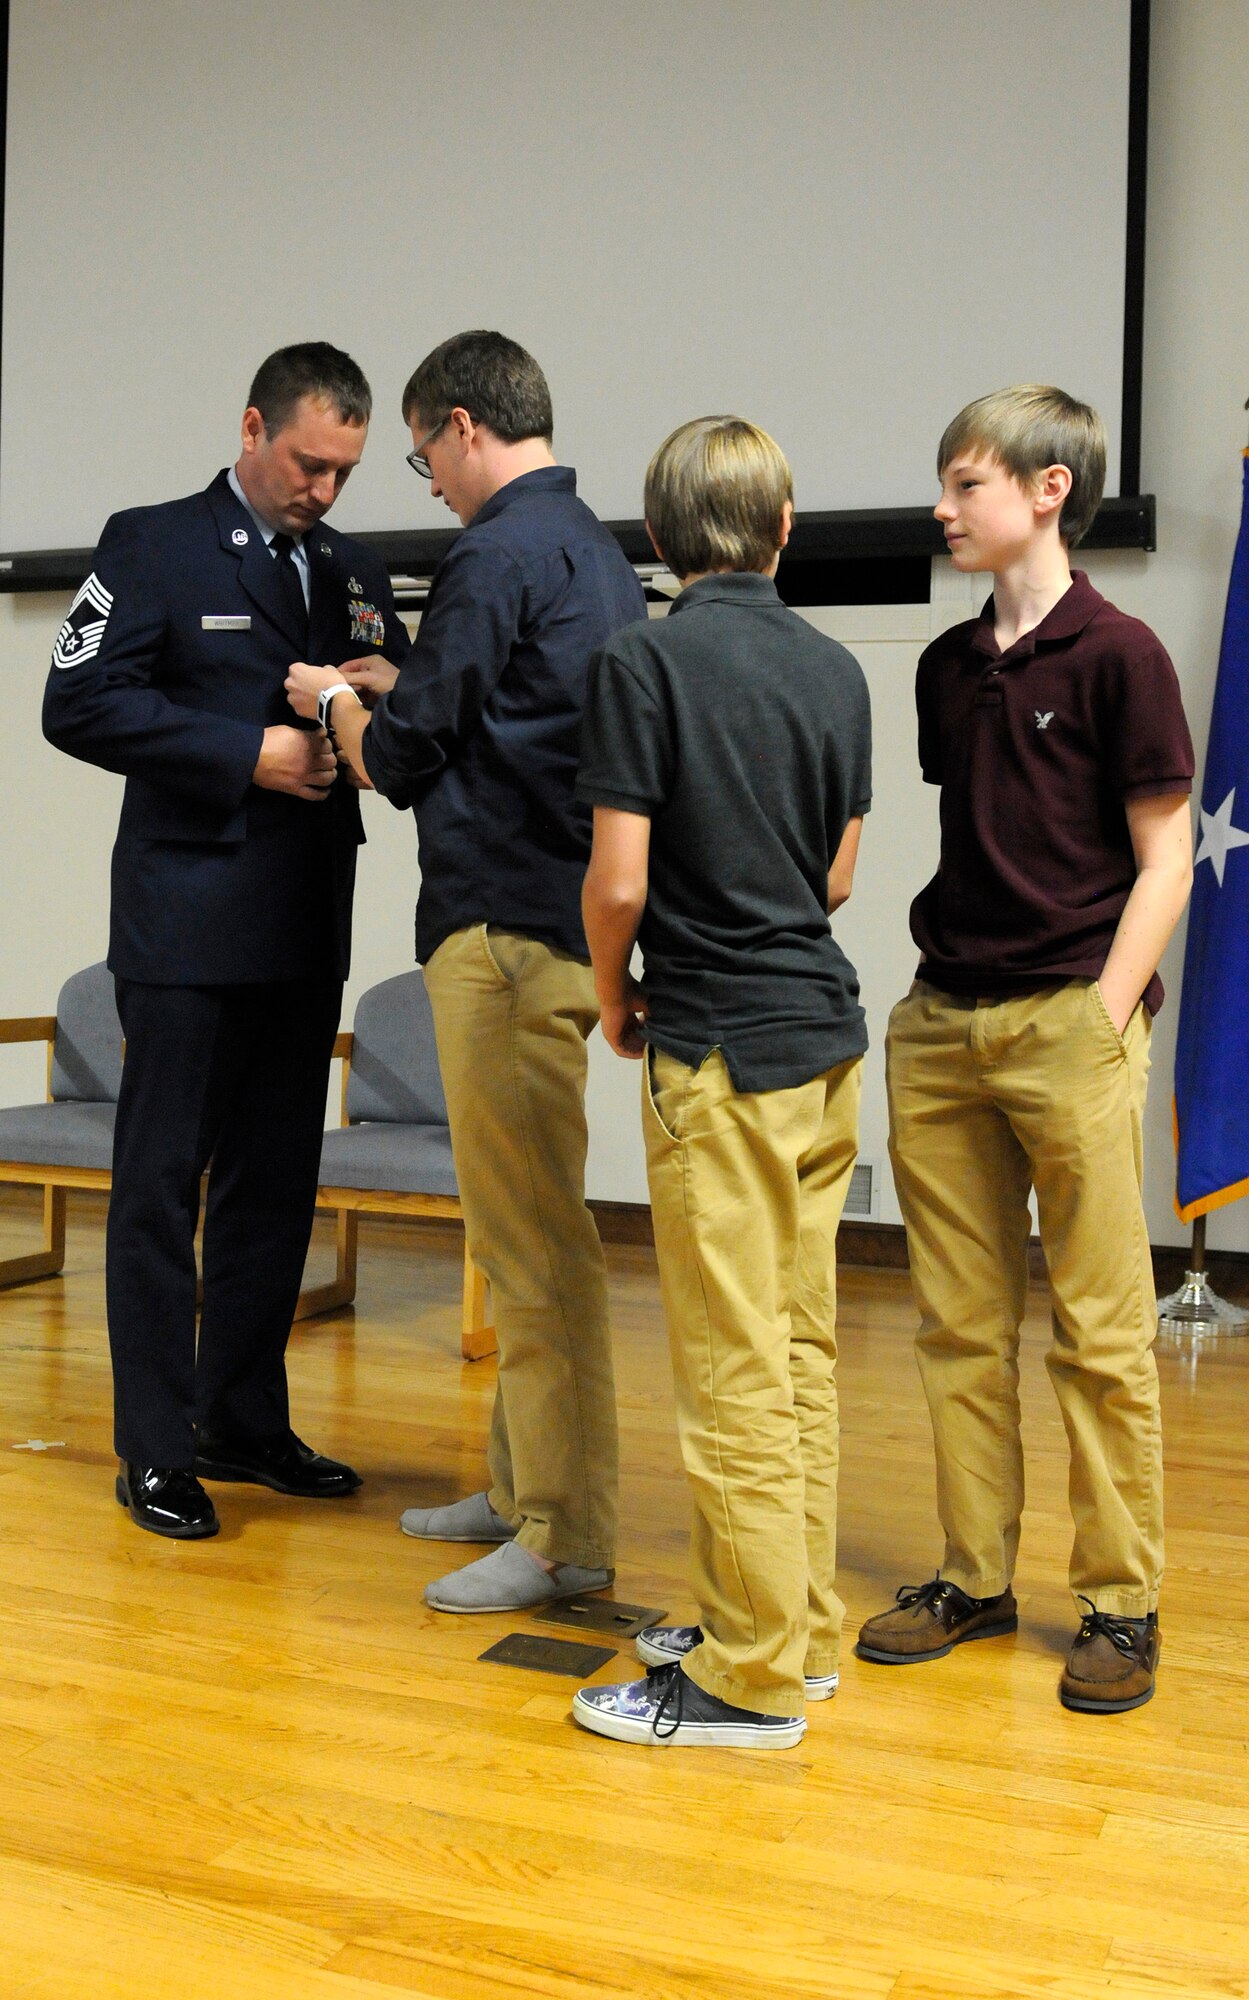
169	668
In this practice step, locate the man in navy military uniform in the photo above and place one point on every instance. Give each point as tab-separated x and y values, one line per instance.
232	882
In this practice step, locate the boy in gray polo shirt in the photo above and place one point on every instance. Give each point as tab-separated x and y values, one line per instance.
726	752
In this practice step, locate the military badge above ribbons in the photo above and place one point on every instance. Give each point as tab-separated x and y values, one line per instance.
79	637
367	624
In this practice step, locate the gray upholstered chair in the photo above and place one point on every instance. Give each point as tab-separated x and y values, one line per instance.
66	1142
392	1157
392	1154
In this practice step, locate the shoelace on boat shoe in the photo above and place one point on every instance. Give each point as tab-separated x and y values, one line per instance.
913	1596
1121	1632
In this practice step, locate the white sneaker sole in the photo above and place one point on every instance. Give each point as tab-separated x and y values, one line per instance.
819	1687
704	1735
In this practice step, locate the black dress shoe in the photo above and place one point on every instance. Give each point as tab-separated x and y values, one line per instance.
166	1502
289	1466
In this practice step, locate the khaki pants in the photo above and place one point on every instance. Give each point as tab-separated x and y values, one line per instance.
511	1018
988	1098
747	1192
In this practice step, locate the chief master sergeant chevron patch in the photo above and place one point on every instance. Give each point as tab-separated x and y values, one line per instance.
79	637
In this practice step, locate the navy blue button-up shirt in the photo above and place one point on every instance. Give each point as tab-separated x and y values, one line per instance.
480	734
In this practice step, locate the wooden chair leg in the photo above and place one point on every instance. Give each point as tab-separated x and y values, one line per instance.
48	1262
341	1289
477	1340
54	1201
347	1240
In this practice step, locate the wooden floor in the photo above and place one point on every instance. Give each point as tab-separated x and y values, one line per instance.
257	1768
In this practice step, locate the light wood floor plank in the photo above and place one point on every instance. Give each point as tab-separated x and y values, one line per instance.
259	1768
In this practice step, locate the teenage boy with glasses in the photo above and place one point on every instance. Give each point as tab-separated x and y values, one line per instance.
478	732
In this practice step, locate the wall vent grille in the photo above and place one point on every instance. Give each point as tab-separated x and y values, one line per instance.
863	1199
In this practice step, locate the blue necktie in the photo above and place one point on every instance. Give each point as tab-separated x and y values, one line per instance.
289	585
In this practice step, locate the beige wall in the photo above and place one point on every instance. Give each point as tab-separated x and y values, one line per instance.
58	816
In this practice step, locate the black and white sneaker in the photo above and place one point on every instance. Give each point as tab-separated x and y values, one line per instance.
668	1708
668	1645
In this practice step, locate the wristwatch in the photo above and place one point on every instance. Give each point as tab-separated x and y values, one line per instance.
325	701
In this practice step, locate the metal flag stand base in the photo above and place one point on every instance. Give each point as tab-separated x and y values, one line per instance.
1195	1309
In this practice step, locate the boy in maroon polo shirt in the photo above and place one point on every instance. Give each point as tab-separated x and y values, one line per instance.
1019	1058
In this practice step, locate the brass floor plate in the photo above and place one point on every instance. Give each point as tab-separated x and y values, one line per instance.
601	1614
548	1656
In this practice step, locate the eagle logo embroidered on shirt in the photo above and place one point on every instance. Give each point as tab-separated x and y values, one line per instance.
367	623
1043	721
79	637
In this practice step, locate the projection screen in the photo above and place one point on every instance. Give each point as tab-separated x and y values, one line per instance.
839	218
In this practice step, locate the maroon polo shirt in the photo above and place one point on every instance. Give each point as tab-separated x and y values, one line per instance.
1037	751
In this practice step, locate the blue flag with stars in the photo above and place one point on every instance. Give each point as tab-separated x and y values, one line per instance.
1212	1059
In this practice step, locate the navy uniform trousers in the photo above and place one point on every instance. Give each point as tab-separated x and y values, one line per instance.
229	942
236	1075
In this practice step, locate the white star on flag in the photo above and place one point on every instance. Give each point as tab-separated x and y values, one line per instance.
1219	836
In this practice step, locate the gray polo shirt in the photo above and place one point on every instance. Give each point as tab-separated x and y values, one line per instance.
744	736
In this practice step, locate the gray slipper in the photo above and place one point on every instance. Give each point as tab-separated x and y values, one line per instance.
471	1520
509	1579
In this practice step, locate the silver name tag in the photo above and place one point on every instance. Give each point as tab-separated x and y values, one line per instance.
225	624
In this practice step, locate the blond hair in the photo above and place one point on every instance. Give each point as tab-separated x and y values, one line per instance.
715	494
1028	428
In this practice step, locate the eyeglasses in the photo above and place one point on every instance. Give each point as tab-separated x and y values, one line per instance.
414	458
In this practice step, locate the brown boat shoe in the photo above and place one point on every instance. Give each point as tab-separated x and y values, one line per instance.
1112	1663
930	1619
